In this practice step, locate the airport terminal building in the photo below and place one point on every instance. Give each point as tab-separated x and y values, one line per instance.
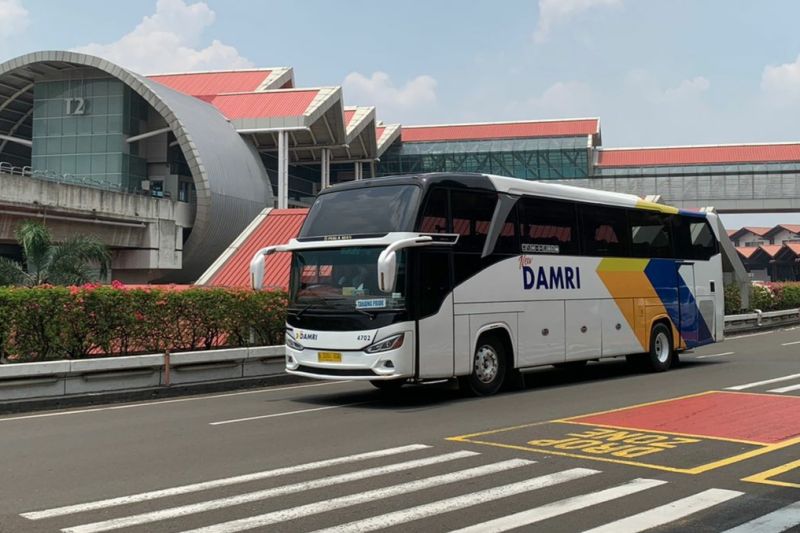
170	169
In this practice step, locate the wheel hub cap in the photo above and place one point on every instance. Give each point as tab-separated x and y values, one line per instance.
486	364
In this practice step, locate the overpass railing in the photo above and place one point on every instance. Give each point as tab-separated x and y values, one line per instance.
69	179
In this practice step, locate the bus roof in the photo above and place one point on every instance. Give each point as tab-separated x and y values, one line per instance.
514	186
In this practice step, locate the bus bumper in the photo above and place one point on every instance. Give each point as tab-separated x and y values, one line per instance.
354	365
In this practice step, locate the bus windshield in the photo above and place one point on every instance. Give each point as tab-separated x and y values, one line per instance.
364	210
344	279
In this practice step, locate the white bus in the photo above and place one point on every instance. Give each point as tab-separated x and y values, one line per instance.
479	277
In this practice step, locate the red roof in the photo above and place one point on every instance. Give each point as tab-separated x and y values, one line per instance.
379	132
793	246
731	232
278	227
213	83
792	228
508	130
756	230
770	249
348	116
746	251
265	105
698	155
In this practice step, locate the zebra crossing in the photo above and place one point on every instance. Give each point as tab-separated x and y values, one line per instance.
768	385
468	479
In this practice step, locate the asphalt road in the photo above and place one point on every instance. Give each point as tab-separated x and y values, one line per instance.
344	456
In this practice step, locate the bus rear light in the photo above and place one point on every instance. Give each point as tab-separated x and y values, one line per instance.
392	343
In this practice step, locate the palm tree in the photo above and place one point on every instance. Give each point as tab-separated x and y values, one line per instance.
67	263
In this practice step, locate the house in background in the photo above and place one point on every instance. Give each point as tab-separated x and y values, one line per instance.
769	254
783	233
750	236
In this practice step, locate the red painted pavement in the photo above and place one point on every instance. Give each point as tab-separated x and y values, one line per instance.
753	417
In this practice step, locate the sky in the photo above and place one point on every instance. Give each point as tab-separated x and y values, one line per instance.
656	72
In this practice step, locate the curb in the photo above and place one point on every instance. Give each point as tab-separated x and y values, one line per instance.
138	395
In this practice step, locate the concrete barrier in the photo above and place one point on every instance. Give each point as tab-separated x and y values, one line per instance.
760	320
137	372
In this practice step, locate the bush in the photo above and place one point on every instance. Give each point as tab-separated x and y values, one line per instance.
44	323
733	299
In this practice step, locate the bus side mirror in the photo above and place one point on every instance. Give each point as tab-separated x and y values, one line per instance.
257	265
257	271
387	270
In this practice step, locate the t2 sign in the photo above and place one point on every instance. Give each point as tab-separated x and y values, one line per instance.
75	106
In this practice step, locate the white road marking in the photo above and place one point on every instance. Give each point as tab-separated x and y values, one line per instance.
765	382
162	402
368	496
568	505
287	413
714	355
780	520
459	502
221	503
790	343
216	483
664	514
790	388
749	335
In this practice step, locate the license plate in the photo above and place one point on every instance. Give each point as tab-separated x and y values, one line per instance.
329	357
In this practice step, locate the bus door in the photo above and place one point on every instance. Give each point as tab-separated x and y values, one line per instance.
688	321
434	297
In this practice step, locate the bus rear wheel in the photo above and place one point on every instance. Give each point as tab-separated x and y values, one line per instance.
662	354
488	368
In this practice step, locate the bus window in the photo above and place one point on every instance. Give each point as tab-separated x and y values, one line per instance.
704	244
507	240
472	216
604	231
547	227
436	213
650	234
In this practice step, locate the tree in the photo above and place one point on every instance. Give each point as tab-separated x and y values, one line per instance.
67	263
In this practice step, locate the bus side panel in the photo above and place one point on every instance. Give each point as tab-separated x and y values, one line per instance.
436	342
619	327
711	305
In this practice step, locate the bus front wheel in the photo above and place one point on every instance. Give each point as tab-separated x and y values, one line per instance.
488	368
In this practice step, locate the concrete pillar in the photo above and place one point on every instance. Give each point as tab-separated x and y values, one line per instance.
359	169
325	179
372	169
283	169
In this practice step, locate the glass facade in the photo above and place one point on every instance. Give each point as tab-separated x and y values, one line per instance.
533	159
79	131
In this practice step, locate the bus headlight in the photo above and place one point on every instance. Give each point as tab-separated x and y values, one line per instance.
392	343
293	344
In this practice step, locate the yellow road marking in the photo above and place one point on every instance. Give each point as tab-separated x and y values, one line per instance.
764	477
724	439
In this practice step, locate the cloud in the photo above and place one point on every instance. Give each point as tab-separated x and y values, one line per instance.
13	18
643	83
781	83
555	12
170	40
393	102
563	99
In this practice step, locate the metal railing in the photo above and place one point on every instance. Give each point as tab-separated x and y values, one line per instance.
760	320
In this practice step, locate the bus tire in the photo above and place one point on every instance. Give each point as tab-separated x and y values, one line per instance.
489	367
387	385
662	353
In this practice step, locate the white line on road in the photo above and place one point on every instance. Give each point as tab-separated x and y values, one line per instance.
765	382
780	520
368	496
287	413
790	343
790	388
664	514
216	483
481	497
162	402
568	505
714	355
294	488
749	335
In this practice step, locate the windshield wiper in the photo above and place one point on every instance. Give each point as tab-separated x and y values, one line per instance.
299	313
367	313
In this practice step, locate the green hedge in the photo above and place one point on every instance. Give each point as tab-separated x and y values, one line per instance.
46	323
